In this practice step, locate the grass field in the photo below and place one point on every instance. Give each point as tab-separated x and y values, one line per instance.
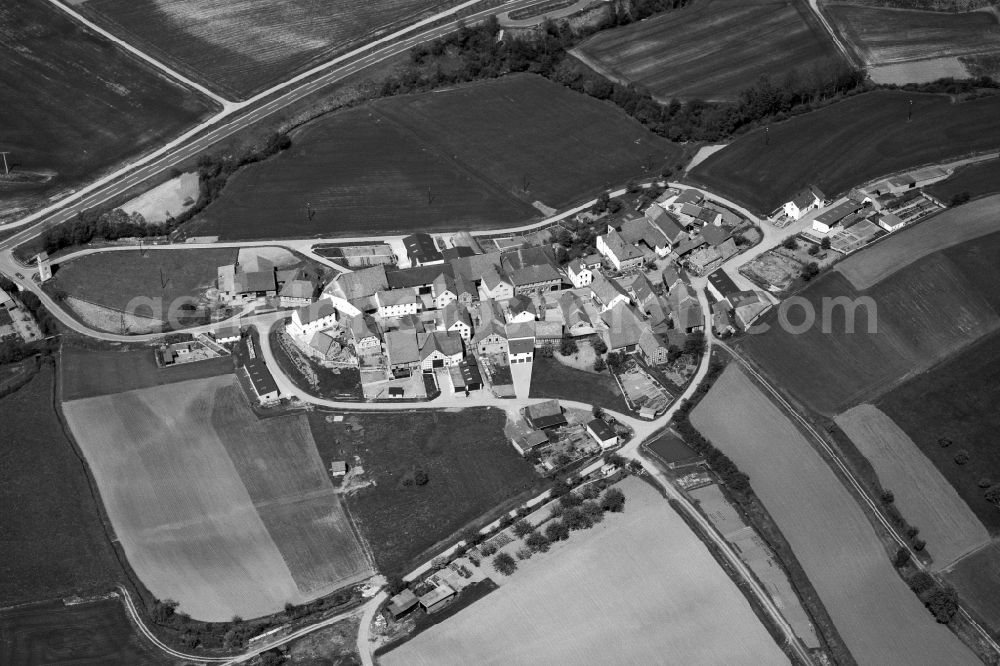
454	159
922	494
552	379
879	618
882	36
671	448
74	105
53	543
88	373
224	513
472	470
977	579
113	279
635	588
977	180
242	46
713	49
957	400
51	634
848	143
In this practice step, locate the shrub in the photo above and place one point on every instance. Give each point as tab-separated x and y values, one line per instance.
537	542
556	531
487	549
810	271
919	545
524	553
985	482
470	535
571	499
574	519
599	364
944	442
993	495
600	347
613	500
962	457
546	351
420	477
593	511
523	528
568	347
504	564
590	491
790	243
901	559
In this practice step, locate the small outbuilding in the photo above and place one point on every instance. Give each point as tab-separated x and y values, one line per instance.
544	415
437	598
402	603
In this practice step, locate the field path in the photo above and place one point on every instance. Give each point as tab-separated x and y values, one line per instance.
847	53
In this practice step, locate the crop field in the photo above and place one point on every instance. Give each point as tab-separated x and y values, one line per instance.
113	279
714	49
552	379
221	512
977	579
53	541
472	469
977	180
957	401
922	494
644	568
243	46
883	36
848	143
879	618
919	315
447	160
51	634
74	104
88	373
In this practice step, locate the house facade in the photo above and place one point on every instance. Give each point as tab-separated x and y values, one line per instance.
313	318
397	302
579	275
623	257
805	200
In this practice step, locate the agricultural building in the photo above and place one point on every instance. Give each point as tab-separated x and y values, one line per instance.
227	334
437	598
623	256
652	347
686	310
689	196
670	278
521	309
890	222
443	291
490	337
579	274
521	350
354	293
829	218
397	302
457	252
422	250
419	278
296	293
528	442
176	353
722	321
440	349
624	328
607	292
260	377
495	286
531	269
602	433
402	603
544	415
239	286
402	351
466	376
805	200
576	321
748	306
338	468
309	319
324	344
364	333
456	319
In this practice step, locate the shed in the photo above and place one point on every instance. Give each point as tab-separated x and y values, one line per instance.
546	414
530	441
338	468
437	598
402	603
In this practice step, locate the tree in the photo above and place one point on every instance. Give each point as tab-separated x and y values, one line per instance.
600	347
984	482
574	519
993	495
420	477
487	549
613	500
537	542
616	360
813	250
960	198
593	511
568	347
901	559
694	343
524	553
888	497
825	243
962	457
556	531
504	564
790	243
810	270
523	528
395	584
162	610
599	364
570	499
470	535
601	205
942	602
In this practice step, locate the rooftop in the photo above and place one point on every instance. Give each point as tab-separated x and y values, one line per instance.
601	429
422	248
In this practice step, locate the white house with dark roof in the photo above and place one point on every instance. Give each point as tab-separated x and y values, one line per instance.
625	326
653	349
623	256
364	334
443	291
495	286
531	269
456	319
576	321
805	200
239	286
397	302
607	292
312	318
440	349
490	337
353	293
521	309
579	274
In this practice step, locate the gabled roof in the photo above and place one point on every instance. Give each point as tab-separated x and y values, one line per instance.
576	266
359	284
492	278
617	245
686	308
666	223
490	327
642	230
530	265
690	210
446	342
524	329
572	309
521	346
670	276
418	276
298	289
837	213
624	326
254	281
649	343
606	289
401	347
545	414
465	286
411	322
714	235
805	198
522	303
601	429
450	253
443	283
363	327
641	288
473	268
690	196
421	248
396	297
454	313
322	342
315	311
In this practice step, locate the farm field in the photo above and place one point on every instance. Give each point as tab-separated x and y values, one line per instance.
552	379
681	54
437	161
644	568
975	179
846	144
88	373
977	579
472	470
221	512
241	47
74	104
957	400
922	494
51	634
931	40
53	541
879	618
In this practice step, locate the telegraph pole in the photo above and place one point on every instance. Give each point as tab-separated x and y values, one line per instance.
909	113
6	169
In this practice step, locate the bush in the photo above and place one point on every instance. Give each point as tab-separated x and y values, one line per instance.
487	549
600	347
901	559
556	531
537	542
810	271
888	497
993	495
470	535
524	553
523	528
420	477
593	511
590	491
504	564
985	482
570	499
790	243
825	243
613	500
568	347
919	545
546	351
944	442
599	364
962	457
574	519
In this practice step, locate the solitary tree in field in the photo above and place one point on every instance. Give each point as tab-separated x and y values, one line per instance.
505	564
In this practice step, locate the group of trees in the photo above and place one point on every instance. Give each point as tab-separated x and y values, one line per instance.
939	598
13	350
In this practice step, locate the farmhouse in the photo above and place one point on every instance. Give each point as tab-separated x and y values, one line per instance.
579	274
364	333
644	232
402	352
466	376
521	309
521	342
397	302
456	319
437	598
465	291
354	293
439	349
495	286
592	261
531	269
422	250
576	321
533	439
444	291
652	348
491	337
309	319
722	321
239	286
829	218
543	415
602	433
623	256
227	335
688	196
890	222
805	200
402	603
419	278
624	328
607	292
748	306
686	310
296	293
